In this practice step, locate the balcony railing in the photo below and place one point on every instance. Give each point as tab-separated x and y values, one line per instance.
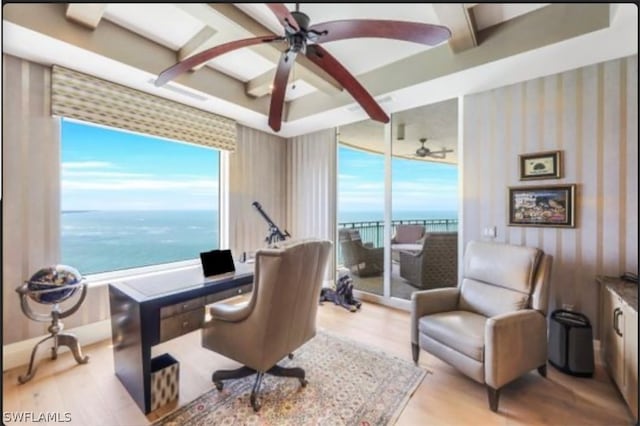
373	231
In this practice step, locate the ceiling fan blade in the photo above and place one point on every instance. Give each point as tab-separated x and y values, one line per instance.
280	82
417	32
283	15
318	55
206	55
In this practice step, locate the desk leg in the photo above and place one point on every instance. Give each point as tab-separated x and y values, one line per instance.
130	357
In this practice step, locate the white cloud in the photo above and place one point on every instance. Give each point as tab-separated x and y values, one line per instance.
140	184
87	165
98	174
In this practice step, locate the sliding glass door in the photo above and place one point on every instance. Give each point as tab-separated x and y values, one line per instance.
397	183
361	192
424	192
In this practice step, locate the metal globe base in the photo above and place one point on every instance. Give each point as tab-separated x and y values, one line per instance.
59	339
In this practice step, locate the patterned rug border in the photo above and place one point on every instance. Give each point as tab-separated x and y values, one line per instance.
418	375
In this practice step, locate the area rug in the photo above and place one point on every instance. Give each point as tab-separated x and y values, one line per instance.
349	384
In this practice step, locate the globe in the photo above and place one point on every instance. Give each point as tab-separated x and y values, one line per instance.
54	284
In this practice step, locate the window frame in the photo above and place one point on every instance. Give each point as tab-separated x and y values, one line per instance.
104	278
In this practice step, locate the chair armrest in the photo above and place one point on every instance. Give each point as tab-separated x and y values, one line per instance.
230	313
515	343
367	245
427	302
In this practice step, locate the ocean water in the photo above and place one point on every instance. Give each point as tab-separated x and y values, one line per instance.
101	241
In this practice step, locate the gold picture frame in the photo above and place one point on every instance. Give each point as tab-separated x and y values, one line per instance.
543	206
541	165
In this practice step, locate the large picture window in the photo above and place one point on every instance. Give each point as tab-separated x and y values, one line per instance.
130	200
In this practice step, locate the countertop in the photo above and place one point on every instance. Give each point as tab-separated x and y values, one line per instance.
626	290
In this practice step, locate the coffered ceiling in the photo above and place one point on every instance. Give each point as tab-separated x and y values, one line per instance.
491	45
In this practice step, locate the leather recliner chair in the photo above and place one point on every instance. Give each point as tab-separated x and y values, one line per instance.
492	327
279	317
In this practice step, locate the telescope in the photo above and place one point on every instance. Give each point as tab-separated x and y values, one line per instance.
275	234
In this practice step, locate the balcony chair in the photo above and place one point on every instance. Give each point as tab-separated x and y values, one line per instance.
279	317
493	326
362	259
407	237
435	265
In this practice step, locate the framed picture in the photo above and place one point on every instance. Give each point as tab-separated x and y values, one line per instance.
541	165
548	206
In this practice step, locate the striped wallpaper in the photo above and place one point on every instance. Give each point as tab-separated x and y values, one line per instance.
591	114
31	198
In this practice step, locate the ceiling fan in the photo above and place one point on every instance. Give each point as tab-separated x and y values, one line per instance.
305	39
423	151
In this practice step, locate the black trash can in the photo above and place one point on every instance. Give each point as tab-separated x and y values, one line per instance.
571	343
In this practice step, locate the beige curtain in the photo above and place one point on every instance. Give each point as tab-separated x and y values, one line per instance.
311	187
257	171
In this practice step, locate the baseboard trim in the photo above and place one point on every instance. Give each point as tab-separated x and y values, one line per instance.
18	354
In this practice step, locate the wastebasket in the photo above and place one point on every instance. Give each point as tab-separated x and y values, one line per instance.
165	380
571	343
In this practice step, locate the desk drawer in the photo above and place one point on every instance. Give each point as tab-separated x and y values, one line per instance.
226	294
180	324
180	308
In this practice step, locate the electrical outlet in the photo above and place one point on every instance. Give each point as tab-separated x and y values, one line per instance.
567	307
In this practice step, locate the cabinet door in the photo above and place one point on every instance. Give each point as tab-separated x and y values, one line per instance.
631	358
613	329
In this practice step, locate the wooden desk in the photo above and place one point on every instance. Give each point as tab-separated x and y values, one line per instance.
146	314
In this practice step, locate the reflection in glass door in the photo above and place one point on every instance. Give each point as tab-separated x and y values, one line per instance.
424	188
361	174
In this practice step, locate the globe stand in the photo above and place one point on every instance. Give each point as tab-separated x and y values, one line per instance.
59	339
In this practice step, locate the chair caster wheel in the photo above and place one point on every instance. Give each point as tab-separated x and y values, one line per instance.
304	383
290	356
219	385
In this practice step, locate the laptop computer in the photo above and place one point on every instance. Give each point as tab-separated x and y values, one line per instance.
217	262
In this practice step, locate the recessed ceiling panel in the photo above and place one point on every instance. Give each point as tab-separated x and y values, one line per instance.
490	14
366	54
298	89
242	64
163	23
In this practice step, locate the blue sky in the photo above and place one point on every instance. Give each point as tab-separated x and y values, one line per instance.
416	185
105	169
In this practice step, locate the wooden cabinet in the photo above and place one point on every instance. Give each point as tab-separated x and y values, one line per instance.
619	342
612	333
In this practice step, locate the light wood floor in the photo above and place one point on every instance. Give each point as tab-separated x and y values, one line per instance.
93	395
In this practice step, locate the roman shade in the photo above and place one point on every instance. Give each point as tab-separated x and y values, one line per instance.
87	98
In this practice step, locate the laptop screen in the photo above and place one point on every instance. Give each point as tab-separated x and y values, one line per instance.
216	262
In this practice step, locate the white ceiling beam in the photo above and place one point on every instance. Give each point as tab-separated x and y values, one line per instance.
87	14
199	42
261	85
457	17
